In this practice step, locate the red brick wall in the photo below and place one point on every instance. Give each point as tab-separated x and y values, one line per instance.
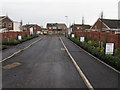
112	38
13	35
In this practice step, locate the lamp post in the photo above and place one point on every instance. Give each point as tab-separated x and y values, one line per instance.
100	29
66	24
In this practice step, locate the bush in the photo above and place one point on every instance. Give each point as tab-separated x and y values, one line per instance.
90	46
15	42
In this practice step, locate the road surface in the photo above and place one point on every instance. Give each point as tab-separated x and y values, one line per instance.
46	64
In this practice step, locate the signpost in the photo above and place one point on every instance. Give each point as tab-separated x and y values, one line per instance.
82	39
19	37
73	35
109	48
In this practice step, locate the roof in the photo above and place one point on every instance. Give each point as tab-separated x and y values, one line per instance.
28	25
111	23
80	25
1	17
56	24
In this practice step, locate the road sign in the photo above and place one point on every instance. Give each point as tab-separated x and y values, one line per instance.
19	37
109	48
73	35
82	39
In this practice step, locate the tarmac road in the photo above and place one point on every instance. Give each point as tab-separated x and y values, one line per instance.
44	65
99	75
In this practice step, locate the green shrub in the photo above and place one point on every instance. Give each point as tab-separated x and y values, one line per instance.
90	46
15	42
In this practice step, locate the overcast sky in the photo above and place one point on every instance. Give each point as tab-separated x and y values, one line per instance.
43	11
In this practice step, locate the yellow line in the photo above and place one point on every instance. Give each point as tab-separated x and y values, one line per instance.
78	68
19	51
97	59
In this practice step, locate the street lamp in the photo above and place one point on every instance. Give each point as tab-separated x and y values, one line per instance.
66	24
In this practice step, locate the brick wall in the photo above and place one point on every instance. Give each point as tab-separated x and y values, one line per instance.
95	35
13	35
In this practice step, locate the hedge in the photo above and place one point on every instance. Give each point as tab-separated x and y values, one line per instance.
113	61
15	42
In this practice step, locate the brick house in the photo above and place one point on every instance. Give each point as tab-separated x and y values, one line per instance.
56	28
6	24
33	28
78	27
109	25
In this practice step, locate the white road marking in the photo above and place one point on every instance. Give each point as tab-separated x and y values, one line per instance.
97	59
90	87
19	51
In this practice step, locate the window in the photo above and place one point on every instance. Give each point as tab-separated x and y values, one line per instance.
54	27
4	24
59	27
78	28
50	28
34	28
10	24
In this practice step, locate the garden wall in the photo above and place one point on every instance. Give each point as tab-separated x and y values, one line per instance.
13	35
95	35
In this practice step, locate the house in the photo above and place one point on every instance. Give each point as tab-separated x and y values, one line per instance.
33	28
6	24
45	31
17	26
79	27
56	28
109	25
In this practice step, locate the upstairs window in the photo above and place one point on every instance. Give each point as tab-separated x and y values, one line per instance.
4	24
10	24
50	27
54	27
78	27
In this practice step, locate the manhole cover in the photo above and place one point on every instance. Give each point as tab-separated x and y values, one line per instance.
13	65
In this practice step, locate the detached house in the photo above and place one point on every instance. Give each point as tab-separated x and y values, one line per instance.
78	27
109	25
33	28
56	28
6	24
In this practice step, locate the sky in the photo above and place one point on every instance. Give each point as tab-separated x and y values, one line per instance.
51	11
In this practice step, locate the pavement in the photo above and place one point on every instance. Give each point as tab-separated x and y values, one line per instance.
7	52
99	75
46	64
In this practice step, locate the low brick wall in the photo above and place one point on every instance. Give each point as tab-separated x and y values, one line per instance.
95	35
13	35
